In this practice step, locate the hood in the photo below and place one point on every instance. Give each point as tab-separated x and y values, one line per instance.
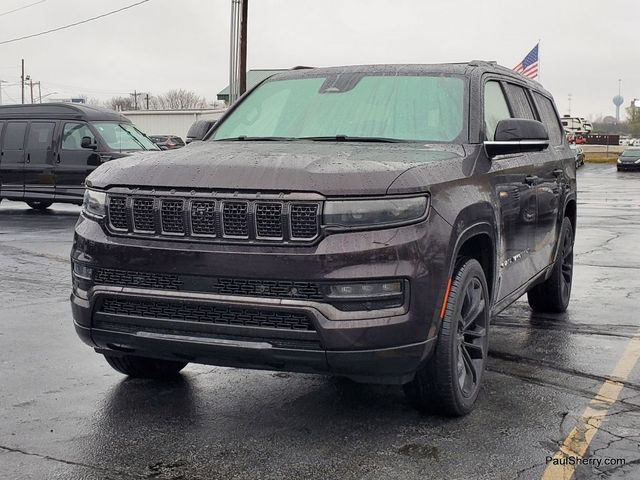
327	168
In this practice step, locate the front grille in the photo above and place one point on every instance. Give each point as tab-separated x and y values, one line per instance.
234	219
222	286
205	313
215	220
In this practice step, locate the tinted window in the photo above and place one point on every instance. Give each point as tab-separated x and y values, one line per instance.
495	108
549	117
40	135
14	136
519	101
403	107
72	136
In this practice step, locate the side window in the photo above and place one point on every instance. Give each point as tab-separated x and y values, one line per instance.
72	136
495	108
519	100
14	136
1	128
549	117
40	136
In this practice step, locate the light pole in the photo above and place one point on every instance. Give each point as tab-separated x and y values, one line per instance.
1	82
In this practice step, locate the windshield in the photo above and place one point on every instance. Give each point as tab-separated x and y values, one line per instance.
401	107
123	136
631	153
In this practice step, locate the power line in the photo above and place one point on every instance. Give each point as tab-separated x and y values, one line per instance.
4	42
21	8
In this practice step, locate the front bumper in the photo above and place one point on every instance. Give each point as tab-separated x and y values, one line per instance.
628	166
384	346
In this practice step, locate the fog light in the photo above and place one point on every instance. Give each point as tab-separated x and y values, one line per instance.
82	271
365	290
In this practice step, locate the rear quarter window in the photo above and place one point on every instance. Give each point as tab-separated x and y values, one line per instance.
520	103
549	117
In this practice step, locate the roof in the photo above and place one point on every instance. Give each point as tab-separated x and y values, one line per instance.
61	110
461	68
254	77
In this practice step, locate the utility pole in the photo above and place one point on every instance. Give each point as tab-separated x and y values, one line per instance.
569	105
1	82
243	46
147	100
31	89
22	82
39	93
135	99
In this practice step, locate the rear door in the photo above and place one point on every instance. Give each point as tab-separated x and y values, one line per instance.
39	180
12	159
554	166
74	163
514	194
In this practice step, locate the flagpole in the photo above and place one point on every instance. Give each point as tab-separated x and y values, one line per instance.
539	63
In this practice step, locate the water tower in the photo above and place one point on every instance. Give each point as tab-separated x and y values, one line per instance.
618	100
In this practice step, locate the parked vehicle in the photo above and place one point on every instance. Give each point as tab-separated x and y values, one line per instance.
167	142
629	159
578	153
321	227
46	151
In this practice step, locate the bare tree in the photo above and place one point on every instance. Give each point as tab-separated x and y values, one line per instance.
120	103
178	99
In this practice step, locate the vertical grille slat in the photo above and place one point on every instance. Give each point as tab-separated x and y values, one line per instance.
269	220
118	213
234	219
203	218
304	220
143	215
172	216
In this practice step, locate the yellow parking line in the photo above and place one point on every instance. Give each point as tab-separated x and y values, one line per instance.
578	440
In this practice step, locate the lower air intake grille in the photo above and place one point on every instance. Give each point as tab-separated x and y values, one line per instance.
205	313
124	278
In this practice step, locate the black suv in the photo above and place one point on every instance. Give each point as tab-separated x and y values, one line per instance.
360	221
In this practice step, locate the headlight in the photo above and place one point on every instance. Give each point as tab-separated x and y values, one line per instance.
637	161
374	213
94	203
619	160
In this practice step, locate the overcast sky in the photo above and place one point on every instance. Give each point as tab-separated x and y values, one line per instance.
162	44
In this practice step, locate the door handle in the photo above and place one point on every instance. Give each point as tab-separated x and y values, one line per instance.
558	172
28	158
531	179
58	158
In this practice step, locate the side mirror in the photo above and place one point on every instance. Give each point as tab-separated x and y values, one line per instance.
517	135
87	142
199	130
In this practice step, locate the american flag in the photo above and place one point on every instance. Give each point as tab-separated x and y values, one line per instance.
529	66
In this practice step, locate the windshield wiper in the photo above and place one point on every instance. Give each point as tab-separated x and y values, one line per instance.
348	138
134	138
244	138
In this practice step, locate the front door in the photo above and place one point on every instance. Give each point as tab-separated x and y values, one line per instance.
38	172
74	163
12	160
513	188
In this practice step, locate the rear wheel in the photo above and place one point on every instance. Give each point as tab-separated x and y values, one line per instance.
39	204
142	367
552	296
450	382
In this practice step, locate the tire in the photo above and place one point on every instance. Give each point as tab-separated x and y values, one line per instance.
39	204
450	381
141	367
553	295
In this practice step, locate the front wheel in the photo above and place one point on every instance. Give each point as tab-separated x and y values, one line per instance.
39	204
142	367
450	382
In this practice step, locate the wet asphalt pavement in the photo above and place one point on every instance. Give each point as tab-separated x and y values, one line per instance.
65	414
